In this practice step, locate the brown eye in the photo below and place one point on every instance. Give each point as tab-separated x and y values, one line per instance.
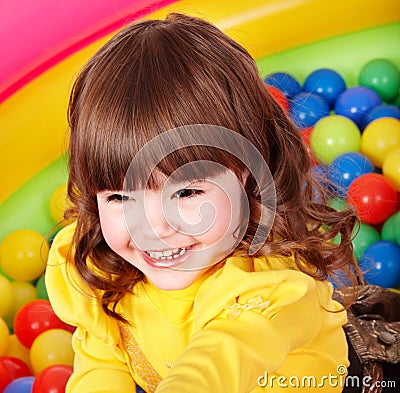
187	193
117	198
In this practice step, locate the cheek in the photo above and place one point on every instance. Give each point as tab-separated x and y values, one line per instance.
114	230
223	224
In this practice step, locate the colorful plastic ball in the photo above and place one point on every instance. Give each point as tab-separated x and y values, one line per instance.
334	135
384	110
4	378
391	167
364	236
52	347
326	83
6	296
17	350
41	290
396	100
35	318
52	379
4	337
23	293
16	367
356	102
379	137
306	109
381	264
285	82
382	76
24	254
373	197
306	135
396	232
20	385
279	97
347	167
338	203
58	203
388	228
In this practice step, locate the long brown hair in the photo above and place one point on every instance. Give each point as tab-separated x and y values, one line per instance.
156	75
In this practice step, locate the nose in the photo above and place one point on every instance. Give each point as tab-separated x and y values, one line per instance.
156	224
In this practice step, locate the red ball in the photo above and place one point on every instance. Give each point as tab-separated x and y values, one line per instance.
306	135
5	378
33	319
52	379
279	97
373	196
16	367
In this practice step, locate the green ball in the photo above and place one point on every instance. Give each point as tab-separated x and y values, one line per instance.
396	100
382	76
388	228
41	288
334	135
364	236
396	231
339	204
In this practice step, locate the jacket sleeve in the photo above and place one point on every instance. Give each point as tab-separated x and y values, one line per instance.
100	365
254	335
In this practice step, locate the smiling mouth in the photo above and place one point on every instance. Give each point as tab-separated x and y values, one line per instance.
167	255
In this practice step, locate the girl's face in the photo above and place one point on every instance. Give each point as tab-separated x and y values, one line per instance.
173	234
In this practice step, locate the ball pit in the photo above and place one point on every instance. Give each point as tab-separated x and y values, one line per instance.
44	181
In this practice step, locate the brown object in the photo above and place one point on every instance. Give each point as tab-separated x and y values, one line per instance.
373	333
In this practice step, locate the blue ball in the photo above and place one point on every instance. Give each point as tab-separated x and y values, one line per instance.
383	111
20	385
285	82
305	109
339	278
325	83
347	167
380	263
356	102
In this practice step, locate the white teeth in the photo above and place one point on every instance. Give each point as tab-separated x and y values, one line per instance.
167	254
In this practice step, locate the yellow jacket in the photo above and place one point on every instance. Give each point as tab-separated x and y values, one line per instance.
255	325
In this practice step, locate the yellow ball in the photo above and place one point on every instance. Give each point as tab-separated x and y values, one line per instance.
379	137
17	350
391	167
52	347
23	255
58	203
4	337
23	292
6	296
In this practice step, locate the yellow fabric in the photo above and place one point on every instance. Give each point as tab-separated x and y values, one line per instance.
239	329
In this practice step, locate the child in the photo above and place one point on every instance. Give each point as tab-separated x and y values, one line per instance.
185	268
